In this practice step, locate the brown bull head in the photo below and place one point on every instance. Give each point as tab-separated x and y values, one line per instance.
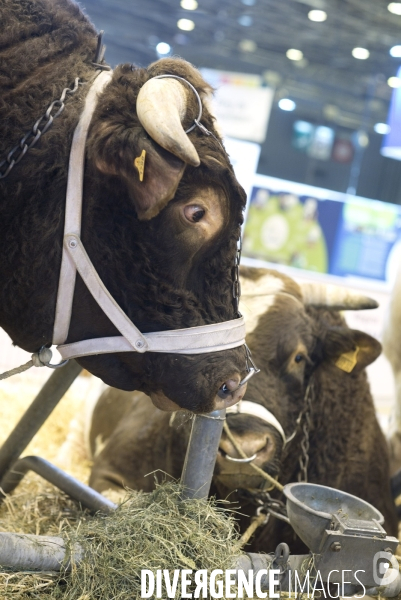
291	340
178	215
162	209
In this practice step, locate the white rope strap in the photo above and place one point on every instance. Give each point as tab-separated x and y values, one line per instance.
38	359
195	340
84	266
73	208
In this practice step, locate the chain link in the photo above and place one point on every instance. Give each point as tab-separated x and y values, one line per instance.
39	128
306	426
236	281
251	368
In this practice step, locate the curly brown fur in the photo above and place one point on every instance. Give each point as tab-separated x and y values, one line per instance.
347	447
44	46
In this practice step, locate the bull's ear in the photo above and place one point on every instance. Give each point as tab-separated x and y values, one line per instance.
150	173
349	349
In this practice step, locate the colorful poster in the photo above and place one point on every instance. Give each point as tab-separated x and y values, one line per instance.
366	234
285	228
322	231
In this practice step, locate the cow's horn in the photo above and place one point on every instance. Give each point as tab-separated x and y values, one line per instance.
335	297
161	107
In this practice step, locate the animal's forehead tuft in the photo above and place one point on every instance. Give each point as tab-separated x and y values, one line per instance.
259	294
267	284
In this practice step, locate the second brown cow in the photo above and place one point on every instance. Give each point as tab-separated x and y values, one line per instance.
298	339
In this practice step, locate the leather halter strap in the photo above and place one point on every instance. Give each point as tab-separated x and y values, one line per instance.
192	340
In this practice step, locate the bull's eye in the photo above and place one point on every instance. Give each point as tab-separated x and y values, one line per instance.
194	213
299	358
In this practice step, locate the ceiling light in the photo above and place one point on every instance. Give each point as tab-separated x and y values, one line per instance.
247	46
382	128
395	51
185	24
163	48
394	82
189	4
245	20
287	104
248	2
395	8
360	53
294	54
317	15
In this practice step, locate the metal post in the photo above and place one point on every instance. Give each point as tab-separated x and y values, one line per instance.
42	406
25	552
201	454
80	492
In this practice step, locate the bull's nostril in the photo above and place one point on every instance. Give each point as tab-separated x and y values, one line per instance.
224	392
232	383
230	393
229	386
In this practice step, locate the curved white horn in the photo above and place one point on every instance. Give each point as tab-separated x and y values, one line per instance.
335	297
161	106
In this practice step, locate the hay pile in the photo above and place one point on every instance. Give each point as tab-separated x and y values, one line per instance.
35	507
148	531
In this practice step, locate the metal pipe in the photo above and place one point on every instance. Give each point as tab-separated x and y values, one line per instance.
25	552
201	454
32	420
88	497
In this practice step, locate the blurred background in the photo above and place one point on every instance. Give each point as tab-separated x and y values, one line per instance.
332	64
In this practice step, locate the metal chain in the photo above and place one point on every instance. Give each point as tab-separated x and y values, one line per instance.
236	281
271	507
250	365
306	426
39	128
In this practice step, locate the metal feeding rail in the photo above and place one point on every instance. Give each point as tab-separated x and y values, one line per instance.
341	531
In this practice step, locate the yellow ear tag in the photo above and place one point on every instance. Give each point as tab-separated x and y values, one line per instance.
139	163
347	361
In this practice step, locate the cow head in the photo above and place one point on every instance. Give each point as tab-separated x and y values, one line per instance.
162	238
161	214
291	340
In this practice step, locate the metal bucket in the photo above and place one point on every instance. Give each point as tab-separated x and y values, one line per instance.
311	507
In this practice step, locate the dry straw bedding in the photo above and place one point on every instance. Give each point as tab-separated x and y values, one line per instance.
148	531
